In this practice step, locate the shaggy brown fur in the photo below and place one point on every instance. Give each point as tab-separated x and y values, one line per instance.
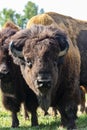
53	78
14	89
43	19
10	24
75	29
70	25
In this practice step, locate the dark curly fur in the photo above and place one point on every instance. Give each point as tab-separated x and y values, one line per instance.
14	89
54	78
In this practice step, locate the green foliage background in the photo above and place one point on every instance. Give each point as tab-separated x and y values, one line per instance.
30	10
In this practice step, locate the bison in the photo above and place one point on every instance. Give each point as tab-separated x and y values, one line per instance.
75	29
50	64
77	32
14	89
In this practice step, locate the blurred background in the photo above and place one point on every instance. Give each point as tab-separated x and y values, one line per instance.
20	11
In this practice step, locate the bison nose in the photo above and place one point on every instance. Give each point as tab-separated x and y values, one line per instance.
3	74
3	69
43	84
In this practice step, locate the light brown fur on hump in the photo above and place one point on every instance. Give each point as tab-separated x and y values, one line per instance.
11	25
68	24
43	19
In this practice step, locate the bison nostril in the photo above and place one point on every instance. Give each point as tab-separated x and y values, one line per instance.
44	84
44	81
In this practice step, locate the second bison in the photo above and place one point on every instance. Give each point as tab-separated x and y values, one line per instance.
14	89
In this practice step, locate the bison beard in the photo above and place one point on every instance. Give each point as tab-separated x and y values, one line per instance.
50	64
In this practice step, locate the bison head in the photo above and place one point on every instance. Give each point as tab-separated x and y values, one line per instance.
40	52
5	58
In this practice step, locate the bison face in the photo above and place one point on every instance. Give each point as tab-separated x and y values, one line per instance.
40	64
5	58
6	64
3	62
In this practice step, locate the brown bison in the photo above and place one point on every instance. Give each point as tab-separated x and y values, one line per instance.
75	29
14	89
50	64
77	32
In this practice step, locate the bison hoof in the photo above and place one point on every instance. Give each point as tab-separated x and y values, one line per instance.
69	125
35	123
15	124
73	128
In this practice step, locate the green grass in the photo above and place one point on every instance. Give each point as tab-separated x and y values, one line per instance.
45	122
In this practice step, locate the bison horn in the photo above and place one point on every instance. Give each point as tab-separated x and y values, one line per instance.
14	51
62	53
64	45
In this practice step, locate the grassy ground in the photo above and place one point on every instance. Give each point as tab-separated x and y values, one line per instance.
45	122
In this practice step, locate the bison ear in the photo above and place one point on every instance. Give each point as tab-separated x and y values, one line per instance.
63	43
16	54
14	51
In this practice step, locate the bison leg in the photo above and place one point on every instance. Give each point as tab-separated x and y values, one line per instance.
83	100
68	116
46	113
13	105
31	104
32	108
82	109
34	119
55	111
26	113
15	121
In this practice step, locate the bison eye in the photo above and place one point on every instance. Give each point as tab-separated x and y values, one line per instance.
29	64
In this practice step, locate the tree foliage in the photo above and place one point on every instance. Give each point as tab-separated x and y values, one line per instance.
30	10
6	15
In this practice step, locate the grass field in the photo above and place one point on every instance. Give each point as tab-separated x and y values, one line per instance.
45	122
